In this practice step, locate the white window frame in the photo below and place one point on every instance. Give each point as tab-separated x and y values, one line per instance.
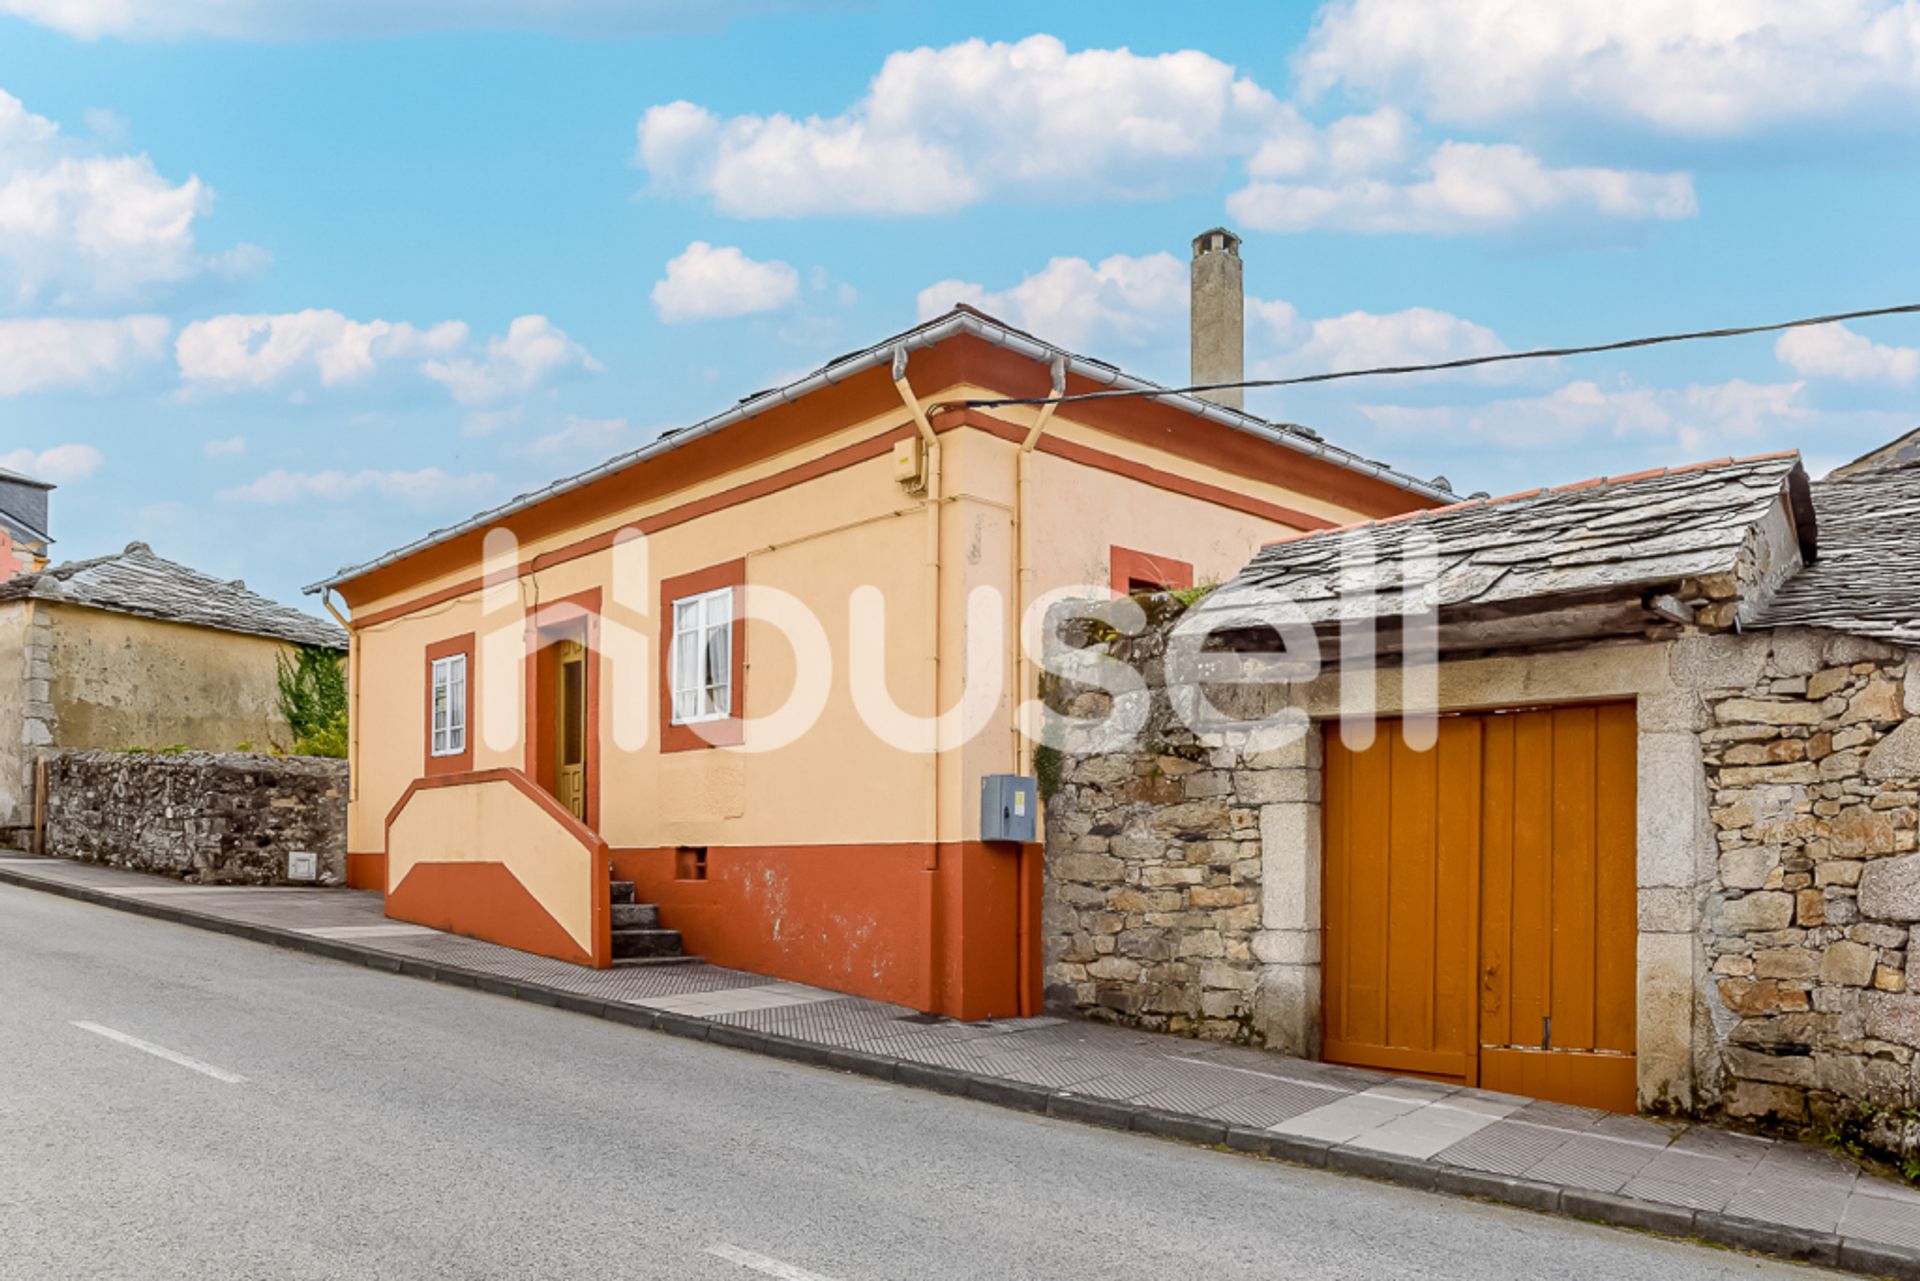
705	622
448	733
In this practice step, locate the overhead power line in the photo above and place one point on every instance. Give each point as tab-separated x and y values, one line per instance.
1465	362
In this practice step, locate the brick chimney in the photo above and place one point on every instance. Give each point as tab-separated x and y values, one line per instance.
1219	315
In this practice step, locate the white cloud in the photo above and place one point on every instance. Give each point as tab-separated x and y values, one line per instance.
228	447
1834	351
1466	187
60	465
577	436
1142	302
49	353
943	128
1693	67
706	282
534	350
1124	300
427	487
295	19
236	352
1365	340
1697	419
1350	145
82	229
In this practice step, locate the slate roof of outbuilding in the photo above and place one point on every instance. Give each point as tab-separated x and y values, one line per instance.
136	581
1867	580
1645	529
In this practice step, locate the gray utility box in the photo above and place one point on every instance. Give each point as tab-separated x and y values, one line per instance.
1009	808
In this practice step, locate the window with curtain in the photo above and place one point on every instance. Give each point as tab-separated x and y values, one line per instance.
450	705
702	662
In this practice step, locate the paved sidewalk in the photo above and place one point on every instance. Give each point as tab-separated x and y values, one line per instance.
1788	1199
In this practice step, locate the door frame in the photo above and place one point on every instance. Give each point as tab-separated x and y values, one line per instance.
575	617
1675	850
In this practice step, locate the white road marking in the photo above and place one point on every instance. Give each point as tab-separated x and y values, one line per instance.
162	1052
762	1264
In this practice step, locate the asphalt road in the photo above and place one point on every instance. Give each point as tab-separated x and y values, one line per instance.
323	1120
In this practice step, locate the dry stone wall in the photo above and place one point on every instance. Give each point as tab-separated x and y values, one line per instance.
207	817
1152	904
1812	756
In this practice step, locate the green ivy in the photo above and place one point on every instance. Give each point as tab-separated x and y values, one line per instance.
313	699
1047	763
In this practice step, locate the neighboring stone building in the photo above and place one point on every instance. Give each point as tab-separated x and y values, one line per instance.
1661	852
133	650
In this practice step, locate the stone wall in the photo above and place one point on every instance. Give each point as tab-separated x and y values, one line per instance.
1813	766
206	817
1152	911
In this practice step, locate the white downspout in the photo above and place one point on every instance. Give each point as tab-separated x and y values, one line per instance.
1024	573
931	443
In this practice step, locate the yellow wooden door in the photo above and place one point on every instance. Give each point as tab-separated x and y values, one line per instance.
1402	848
570	730
1559	927
1479	903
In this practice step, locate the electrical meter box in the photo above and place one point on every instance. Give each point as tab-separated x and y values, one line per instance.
303	865
1009	808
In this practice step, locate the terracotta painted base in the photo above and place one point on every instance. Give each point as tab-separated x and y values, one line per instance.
367	871
960	939
483	901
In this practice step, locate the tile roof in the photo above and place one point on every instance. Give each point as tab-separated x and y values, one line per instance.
138	582
1867	580
1606	534
961	320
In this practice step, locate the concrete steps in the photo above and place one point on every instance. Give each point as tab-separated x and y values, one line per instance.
638	938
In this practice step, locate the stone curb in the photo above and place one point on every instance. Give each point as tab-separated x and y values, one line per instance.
1870	1258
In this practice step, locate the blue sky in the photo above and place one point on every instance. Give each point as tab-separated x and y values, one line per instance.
284	283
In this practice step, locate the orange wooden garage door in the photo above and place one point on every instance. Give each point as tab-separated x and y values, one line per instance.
1479	901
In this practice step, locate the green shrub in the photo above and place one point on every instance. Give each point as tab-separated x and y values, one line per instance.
313	699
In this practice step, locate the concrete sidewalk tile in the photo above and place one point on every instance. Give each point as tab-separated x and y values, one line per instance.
1271	1106
1343	1119
1768	1238
1507	1147
1052	1074
1882	1213
1626	1212
1592	1163
1432	1129
1796	1187
1705	1178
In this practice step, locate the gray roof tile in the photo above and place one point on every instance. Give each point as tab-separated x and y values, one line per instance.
1650	528
138	582
1867	580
